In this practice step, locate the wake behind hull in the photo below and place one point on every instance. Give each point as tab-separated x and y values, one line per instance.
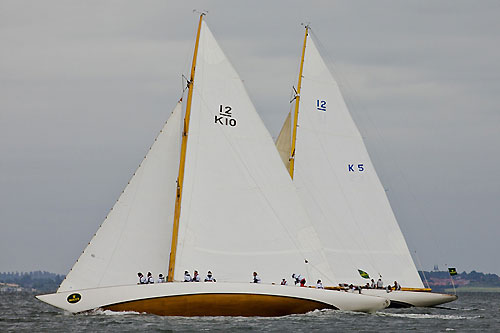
405	299
212	299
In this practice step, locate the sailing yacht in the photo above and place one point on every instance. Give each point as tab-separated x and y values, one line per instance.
211	194
325	155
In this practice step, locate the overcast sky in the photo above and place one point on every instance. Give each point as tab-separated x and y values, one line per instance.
85	86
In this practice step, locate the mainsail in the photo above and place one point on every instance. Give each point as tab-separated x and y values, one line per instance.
134	236
236	216
339	187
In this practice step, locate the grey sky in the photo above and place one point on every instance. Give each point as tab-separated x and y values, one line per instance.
85	87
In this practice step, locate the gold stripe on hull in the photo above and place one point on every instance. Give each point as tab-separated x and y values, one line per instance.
246	305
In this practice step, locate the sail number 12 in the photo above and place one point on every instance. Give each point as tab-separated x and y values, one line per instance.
321	105
225	117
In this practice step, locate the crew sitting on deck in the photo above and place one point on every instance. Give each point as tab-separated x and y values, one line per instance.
299	279
380	284
397	286
355	288
256	278
209	277
187	276
161	278
373	285
150	278
388	288
196	277
319	285
283	282
142	278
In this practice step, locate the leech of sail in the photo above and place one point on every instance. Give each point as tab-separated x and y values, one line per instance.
182	163
297	100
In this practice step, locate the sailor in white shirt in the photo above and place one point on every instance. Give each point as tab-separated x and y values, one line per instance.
161	278
256	278
209	277
150	278
142	278
319	285
187	277
380	284
299	279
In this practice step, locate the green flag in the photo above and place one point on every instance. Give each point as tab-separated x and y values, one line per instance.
452	270
363	274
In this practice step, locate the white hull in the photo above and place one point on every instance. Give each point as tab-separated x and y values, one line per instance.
235	299
402	298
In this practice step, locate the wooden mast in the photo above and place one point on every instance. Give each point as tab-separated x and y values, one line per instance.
182	163
297	100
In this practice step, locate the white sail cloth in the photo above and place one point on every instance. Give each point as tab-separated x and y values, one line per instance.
240	212
135	236
340	189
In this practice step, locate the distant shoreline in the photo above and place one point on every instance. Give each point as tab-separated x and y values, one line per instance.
474	289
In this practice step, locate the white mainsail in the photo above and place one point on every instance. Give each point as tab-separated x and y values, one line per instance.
240	212
135	234
339	187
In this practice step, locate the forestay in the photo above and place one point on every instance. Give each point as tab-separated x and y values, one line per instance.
240	212
135	235
340	189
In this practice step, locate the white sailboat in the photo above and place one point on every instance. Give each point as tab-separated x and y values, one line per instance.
213	194
337	183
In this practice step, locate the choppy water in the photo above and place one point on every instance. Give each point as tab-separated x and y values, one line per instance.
471	312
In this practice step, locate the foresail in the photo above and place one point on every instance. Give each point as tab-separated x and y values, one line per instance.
236	216
340	189
134	236
284	141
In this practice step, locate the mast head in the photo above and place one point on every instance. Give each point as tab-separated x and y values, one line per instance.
201	12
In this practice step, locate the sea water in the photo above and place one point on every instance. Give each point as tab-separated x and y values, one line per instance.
472	312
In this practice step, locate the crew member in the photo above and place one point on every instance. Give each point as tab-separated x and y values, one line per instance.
209	277
256	278
397	286
142	278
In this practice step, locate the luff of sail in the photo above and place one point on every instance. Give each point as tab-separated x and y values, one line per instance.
339	186
133	236
235	217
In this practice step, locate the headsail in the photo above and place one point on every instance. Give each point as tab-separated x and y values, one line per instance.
236	216
339	187
284	141
134	236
